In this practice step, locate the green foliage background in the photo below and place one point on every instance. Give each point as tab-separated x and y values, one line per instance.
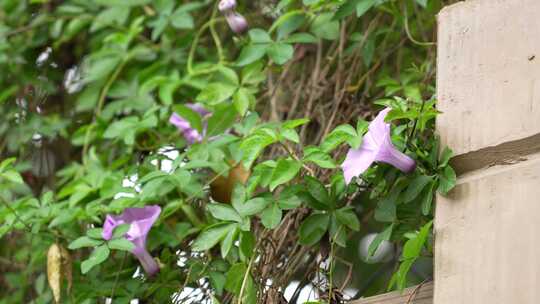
289	98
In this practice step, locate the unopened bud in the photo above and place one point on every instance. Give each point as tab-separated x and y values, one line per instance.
237	22
226	5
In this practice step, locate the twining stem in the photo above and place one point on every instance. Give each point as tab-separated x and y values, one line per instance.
408	32
245	279
295	157
17	217
217	42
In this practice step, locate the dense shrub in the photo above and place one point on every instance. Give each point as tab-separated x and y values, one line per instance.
207	142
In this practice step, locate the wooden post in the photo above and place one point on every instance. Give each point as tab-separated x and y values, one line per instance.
487	232
421	294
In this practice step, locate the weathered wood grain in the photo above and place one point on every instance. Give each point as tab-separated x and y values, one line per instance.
421	294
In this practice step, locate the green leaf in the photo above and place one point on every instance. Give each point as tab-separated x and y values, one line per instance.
280	52
422	2
258	35
251	53
7	162
290	134
235	277
320	158
445	157
251	207
120	230
338	136
447	180
271	216
285	170
415	187
215	93
254	145
13	176
194	118
301	38
84	241
228	241
247	243
383	236
224	212
98	256
347	217
95	233
291	124
427	199
386	210
222	119
288	23
313	229
242	99
121	244
325	27
348	7
122	2
211	236
182	20
413	247
318	191
363	6
337	231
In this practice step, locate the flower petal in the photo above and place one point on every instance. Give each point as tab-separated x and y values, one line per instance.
378	128
179	122
358	161
237	22
390	155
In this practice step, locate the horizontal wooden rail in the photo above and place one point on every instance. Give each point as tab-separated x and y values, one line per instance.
421	294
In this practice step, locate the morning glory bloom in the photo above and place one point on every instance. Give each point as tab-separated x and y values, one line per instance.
376	147
141	220
237	22
190	134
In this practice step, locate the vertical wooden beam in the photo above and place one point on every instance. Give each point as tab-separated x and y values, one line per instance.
487	247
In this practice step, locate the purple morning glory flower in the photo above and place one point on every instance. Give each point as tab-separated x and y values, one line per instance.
376	147
190	134
141	220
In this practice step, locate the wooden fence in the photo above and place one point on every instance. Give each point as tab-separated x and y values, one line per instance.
487	231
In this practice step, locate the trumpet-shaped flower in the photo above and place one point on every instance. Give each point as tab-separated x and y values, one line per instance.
191	134
376	147
141	221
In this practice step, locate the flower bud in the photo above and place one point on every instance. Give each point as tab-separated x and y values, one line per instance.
226	5
237	22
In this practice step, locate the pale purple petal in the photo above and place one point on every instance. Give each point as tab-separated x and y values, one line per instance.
198	108
358	160
179	122
376	146
191	134
390	155
237	22
141	221
109	225
226	5
379	129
